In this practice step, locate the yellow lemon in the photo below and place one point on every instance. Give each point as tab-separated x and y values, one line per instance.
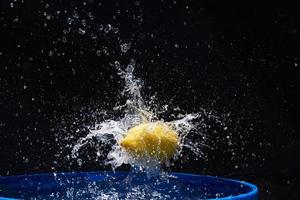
154	139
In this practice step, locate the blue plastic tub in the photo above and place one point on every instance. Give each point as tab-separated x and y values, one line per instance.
121	185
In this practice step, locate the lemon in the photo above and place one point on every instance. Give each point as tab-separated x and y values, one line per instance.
154	139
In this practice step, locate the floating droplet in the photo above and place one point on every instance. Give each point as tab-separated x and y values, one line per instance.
70	20
83	22
98	52
115	30
75	14
16	19
130	69
79	161
81	31
125	47
107	28
117	64
66	31
105	51
91	16
93	36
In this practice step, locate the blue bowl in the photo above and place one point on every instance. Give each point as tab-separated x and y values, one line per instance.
122	185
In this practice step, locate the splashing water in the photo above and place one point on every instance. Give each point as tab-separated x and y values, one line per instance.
135	110
105	136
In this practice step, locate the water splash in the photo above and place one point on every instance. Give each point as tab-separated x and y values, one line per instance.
135	111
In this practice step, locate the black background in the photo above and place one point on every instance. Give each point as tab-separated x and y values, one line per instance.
241	59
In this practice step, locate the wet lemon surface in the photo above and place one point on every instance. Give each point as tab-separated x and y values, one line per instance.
155	139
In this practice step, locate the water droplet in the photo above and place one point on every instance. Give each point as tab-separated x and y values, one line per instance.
91	16
115	30
101	27
93	36
26	160
176	45
79	161
98	52
117	64
70	20
66	31
105	51
16	19
81	31
75	14
83	22
125	47
107	28
129	69
50	53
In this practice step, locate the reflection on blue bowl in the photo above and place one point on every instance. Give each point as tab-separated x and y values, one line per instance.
124	185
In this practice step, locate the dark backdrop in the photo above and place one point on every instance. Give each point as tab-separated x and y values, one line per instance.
241	59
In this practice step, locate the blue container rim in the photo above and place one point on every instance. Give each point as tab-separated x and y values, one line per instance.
250	195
